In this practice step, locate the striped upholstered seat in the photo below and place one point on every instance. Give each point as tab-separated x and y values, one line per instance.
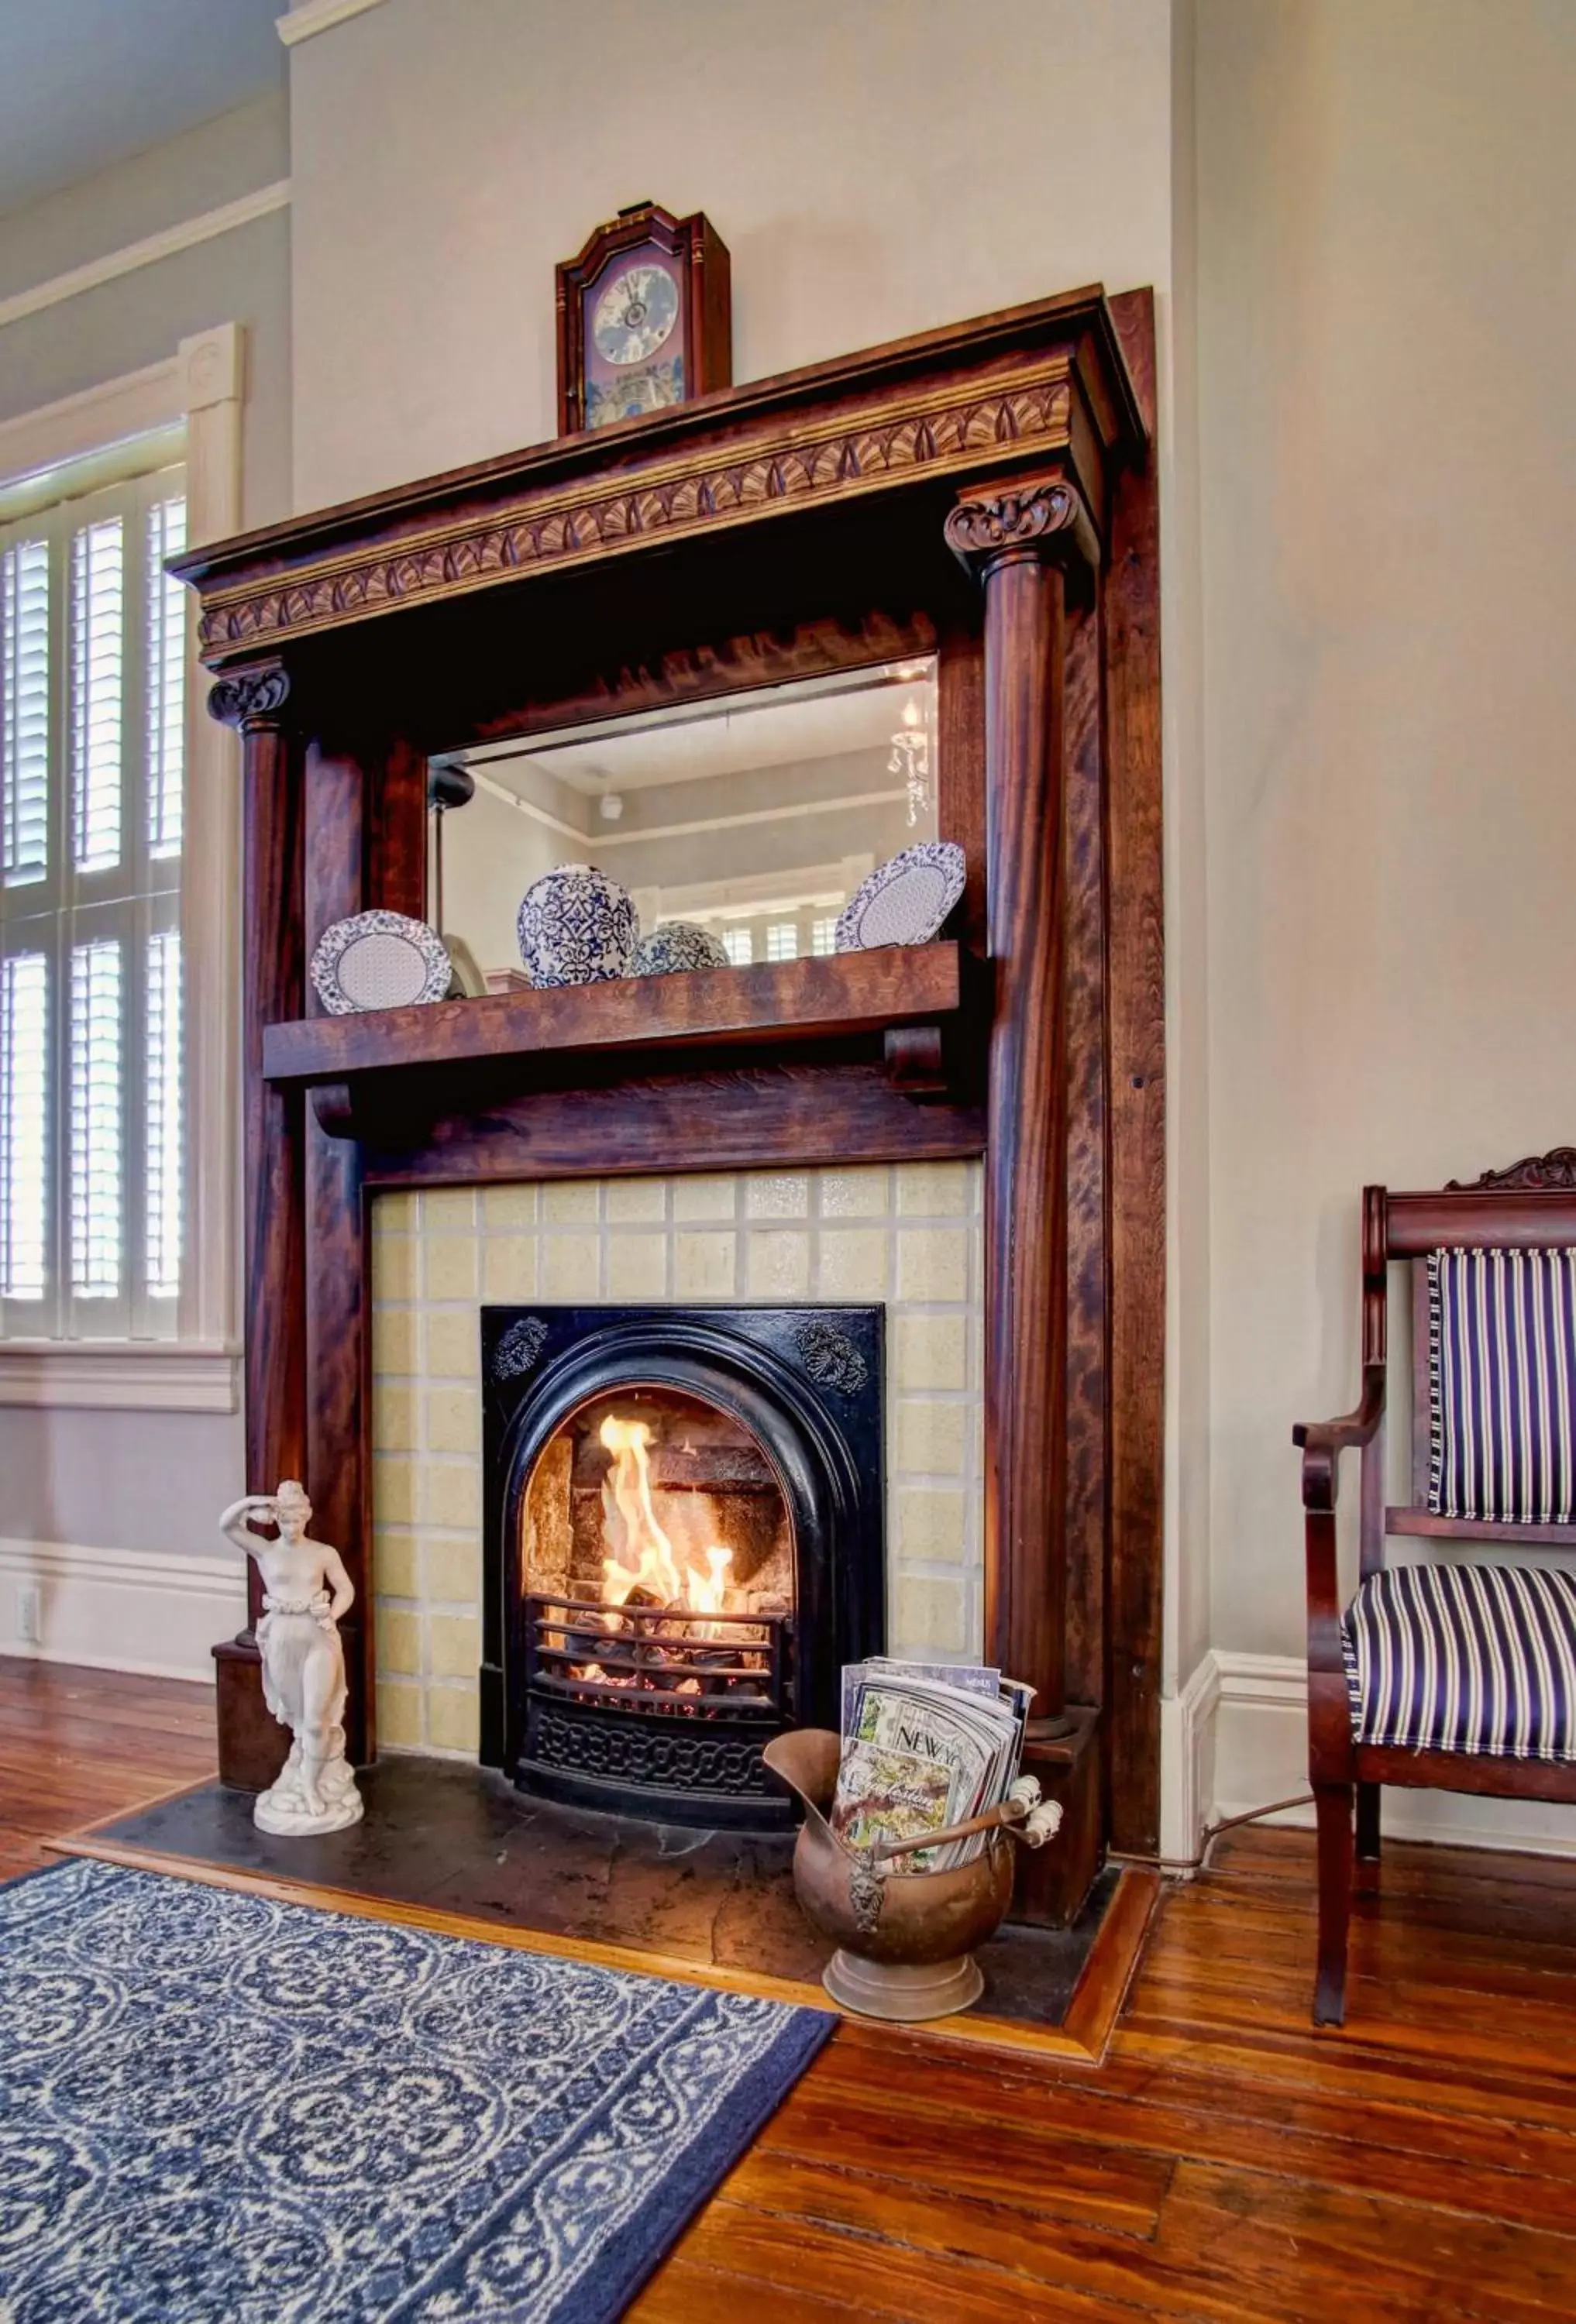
1502	1360
1477	1658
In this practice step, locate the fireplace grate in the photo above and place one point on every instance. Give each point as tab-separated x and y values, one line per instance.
657	1660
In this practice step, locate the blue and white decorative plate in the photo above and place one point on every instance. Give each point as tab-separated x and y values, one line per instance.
905	901
576	926
675	946
379	960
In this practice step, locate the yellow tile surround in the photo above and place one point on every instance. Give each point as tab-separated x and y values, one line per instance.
908	1234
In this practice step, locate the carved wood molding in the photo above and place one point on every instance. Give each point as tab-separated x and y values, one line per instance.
1046	518
938	433
1553	1173
252	698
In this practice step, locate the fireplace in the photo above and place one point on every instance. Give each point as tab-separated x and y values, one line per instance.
684	1543
983	498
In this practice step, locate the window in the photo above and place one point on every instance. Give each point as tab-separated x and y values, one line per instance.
92	815
824	935
782	940
739	944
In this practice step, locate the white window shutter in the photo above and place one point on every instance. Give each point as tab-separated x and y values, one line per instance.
97	691
93	636
24	1126
163	1122
25	711
165	680
97	1173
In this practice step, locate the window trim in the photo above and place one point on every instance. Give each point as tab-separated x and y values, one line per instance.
199	387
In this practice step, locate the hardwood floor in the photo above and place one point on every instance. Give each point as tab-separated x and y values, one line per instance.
1224	2161
79	1744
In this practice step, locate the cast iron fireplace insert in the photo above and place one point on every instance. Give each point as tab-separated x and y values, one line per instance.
685	1542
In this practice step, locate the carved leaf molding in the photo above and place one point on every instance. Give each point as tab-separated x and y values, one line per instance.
250	698
981	530
691	499
1553	1173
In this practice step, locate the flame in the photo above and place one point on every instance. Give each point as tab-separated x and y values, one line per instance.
643	1556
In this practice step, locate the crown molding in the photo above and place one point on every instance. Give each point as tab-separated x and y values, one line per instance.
314	16
148	252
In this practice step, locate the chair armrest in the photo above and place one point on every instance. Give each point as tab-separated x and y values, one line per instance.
1325	1441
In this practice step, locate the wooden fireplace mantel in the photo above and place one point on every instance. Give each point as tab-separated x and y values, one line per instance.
765	1006
1042	382
985	493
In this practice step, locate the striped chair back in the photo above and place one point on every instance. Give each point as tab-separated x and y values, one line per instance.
1502	1379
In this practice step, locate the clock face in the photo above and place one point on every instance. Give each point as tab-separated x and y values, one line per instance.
635	314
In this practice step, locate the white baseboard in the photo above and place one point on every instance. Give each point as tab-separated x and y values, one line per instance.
118	1609
1238	1737
1187	1728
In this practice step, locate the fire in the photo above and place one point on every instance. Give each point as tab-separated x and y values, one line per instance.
642	1555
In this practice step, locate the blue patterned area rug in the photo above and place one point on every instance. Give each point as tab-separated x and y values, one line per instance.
219	2109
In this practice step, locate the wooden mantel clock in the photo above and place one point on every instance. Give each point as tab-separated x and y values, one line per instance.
644	319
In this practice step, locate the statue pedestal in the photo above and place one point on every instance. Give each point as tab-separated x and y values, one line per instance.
283	1808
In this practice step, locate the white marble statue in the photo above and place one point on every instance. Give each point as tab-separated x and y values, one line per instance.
305	1590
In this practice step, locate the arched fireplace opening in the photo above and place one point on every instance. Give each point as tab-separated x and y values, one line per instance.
684	1541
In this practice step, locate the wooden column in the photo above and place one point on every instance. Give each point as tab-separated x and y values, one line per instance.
1018	540
365	816
1136	984
252	1744
334	782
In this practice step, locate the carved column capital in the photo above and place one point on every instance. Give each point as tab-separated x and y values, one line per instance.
250	698
1046	520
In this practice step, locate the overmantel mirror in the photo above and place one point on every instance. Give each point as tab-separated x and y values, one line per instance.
752	816
738	653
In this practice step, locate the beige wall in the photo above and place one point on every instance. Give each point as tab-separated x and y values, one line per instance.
148	1482
140	318
1387	340
875	167
162	187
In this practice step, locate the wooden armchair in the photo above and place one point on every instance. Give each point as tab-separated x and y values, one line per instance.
1457	1676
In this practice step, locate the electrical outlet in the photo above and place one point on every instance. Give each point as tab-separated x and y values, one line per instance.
28	1625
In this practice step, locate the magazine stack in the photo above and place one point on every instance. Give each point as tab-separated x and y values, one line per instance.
925	1746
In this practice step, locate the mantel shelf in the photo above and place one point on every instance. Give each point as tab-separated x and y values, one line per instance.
780	1004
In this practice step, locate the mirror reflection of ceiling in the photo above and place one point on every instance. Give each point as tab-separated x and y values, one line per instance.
756	815
781	726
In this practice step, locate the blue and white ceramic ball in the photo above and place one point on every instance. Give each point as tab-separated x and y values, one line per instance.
675	946
576	926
